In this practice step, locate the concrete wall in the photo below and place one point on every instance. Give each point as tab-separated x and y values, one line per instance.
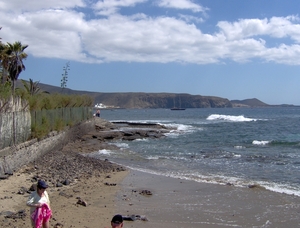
15	121
13	158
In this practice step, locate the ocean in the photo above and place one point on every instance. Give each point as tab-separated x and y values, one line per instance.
238	146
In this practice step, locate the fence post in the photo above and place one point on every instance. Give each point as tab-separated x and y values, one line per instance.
14	129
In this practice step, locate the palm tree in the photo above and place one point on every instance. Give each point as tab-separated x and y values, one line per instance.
32	88
14	64
1	67
4	58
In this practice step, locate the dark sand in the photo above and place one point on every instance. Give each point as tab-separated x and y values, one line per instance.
182	203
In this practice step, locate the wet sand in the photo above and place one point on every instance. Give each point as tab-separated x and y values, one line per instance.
182	203
173	203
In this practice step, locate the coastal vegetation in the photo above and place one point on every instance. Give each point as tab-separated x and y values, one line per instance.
48	110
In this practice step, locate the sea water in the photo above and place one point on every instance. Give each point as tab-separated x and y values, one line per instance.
239	146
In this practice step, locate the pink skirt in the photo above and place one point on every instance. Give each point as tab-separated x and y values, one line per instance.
41	215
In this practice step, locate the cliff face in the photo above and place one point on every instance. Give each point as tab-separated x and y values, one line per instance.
157	100
160	100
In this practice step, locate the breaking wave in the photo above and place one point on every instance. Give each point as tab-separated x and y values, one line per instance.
240	118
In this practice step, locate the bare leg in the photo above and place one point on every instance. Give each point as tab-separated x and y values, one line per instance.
46	224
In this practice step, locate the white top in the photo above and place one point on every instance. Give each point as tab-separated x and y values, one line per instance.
34	198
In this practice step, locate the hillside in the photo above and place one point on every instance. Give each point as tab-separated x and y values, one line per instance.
146	100
156	100
248	103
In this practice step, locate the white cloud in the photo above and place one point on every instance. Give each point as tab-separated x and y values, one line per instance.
67	34
49	33
276	27
189	18
108	7
160	39
181	4
283	54
34	5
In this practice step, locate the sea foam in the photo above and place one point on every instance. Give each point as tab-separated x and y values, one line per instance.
106	152
262	143
240	118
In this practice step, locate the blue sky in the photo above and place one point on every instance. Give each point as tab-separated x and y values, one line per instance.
232	49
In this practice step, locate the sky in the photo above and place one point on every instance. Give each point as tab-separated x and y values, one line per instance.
235	49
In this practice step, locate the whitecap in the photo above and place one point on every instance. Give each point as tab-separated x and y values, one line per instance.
106	152
144	140
261	143
153	157
121	145
182	128
172	134
240	118
239	147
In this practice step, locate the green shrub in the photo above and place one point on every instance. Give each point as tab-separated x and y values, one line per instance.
40	130
59	125
5	90
51	119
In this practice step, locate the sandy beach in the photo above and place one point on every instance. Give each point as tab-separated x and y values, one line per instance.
173	203
100	199
182	203
109	189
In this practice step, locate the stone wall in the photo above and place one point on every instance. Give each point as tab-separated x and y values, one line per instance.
13	158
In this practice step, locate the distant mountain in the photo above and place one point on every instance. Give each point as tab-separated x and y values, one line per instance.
157	100
248	103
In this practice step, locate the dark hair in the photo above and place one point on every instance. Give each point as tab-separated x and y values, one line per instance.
118	219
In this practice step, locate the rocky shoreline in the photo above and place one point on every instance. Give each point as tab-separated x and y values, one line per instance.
69	168
106	132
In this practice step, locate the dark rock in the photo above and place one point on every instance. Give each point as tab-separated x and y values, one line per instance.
3	177
135	217
252	186
146	192
33	187
9	173
66	182
22	191
81	202
18	215
58	225
59	185
110	184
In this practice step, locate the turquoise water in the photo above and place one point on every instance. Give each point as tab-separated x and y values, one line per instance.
238	146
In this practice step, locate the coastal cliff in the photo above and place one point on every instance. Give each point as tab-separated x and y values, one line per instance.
161	100
156	100
147	100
